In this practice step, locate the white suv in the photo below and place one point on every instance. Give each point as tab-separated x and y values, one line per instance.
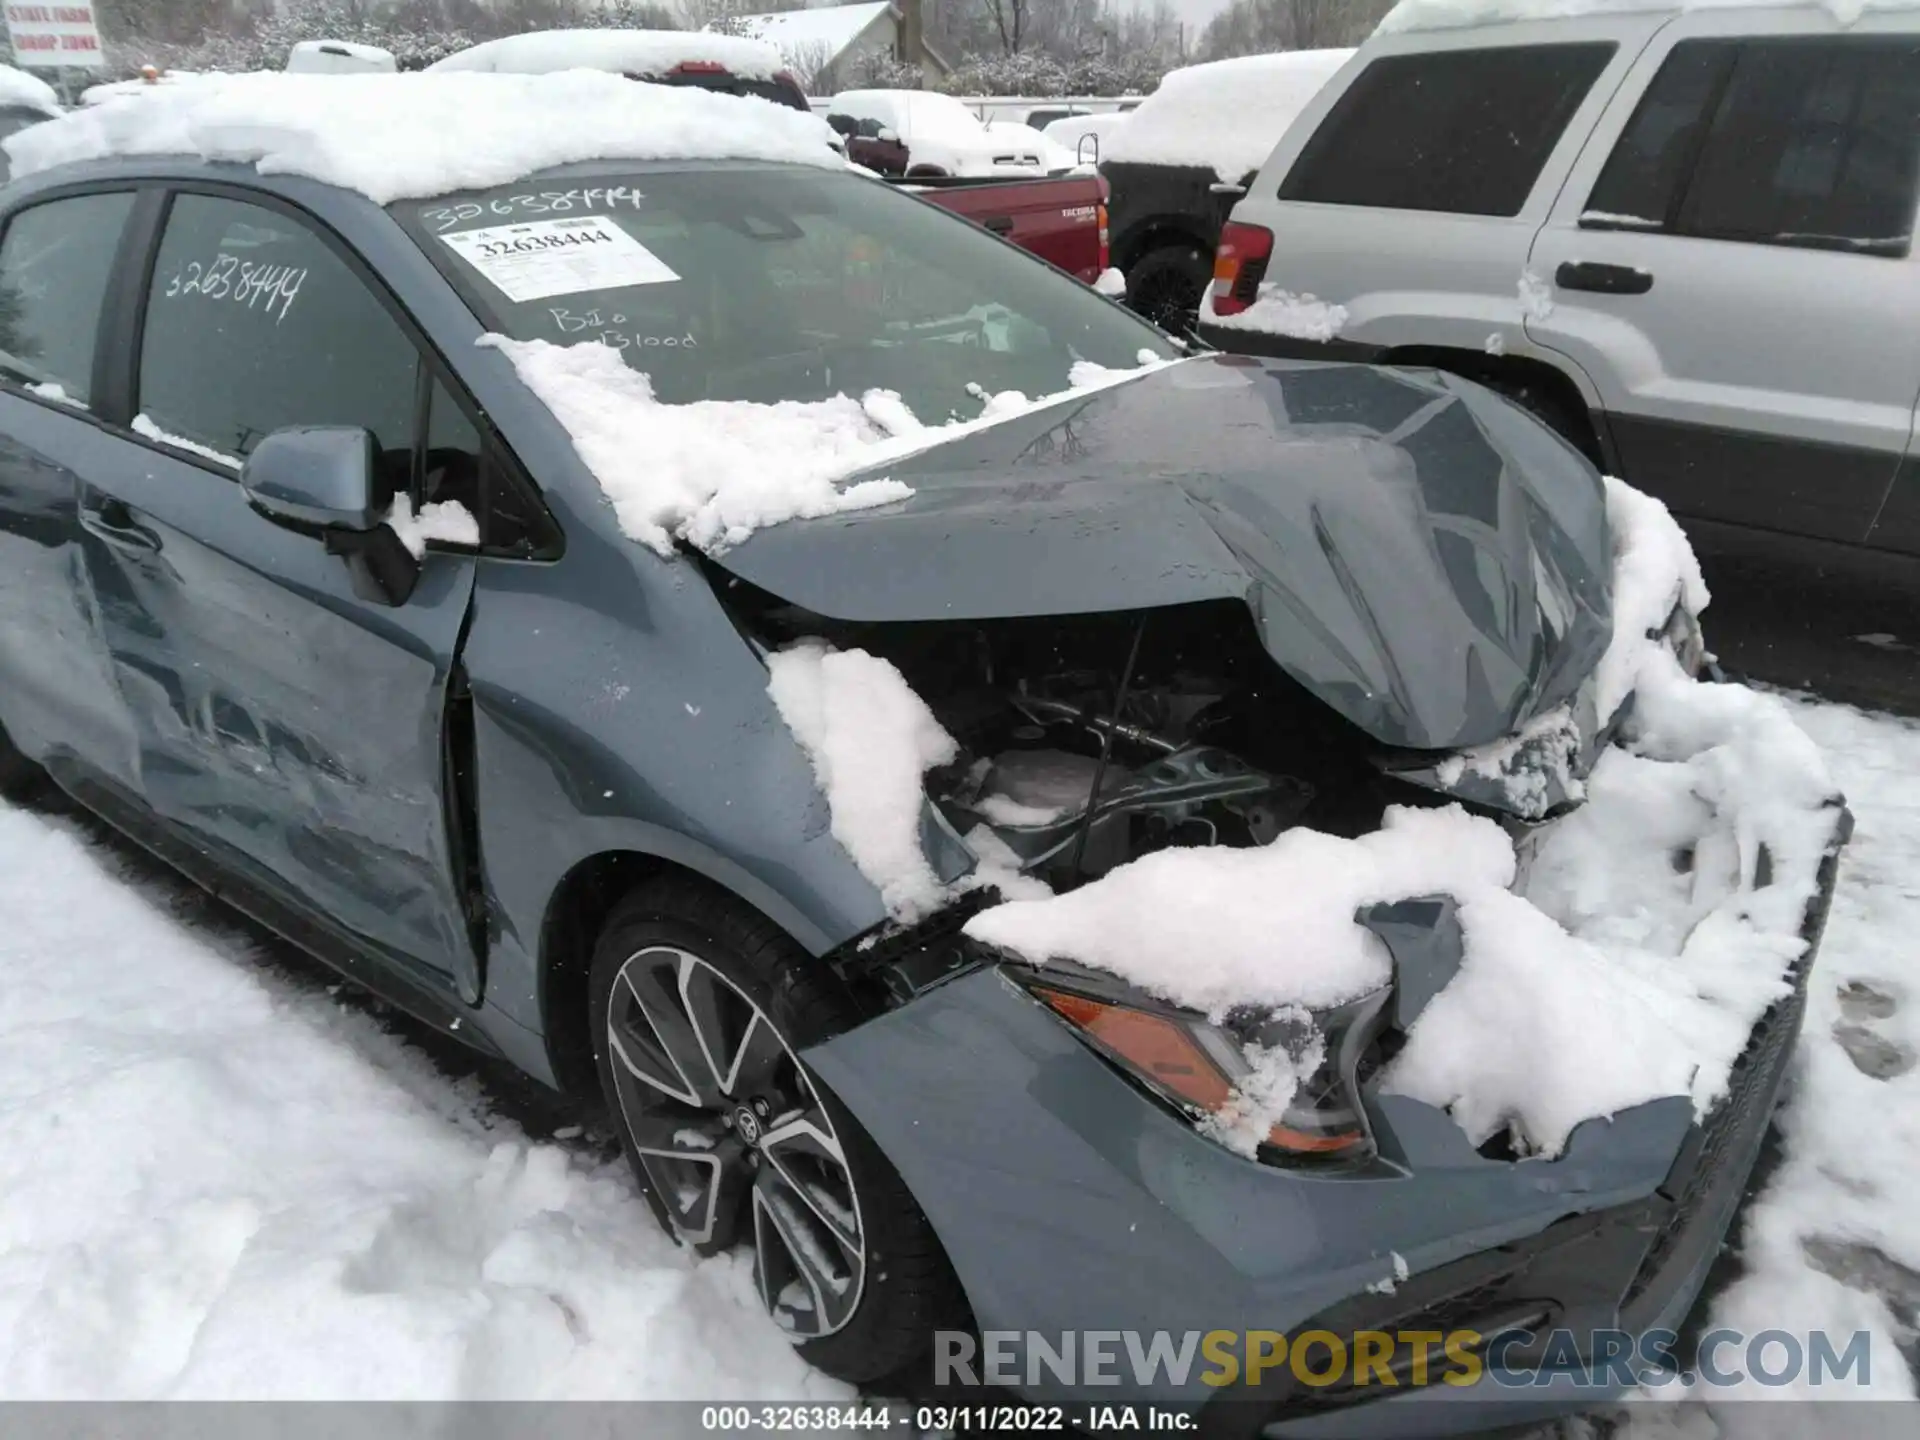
1680	234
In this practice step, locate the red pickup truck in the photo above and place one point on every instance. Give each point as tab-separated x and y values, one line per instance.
1060	218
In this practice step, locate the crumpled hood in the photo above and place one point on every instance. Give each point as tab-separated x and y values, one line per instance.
1419	555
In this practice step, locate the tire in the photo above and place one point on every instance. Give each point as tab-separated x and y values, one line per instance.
1552	409
724	1160
20	778
1166	285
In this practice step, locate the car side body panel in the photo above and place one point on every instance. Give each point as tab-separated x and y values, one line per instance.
60	700
1416	277
1753	384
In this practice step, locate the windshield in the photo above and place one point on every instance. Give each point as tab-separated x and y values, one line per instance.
775	284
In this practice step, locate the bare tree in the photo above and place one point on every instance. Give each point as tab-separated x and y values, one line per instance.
1253	27
724	14
1009	19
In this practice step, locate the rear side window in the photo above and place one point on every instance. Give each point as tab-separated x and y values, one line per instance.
254	323
1815	144
55	264
1645	176
1812	143
1460	131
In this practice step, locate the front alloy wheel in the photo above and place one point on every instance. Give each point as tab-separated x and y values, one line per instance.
700	1010
731	1133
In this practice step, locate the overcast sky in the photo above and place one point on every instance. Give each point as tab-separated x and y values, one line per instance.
1195	12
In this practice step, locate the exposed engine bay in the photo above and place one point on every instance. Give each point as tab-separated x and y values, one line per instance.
1087	741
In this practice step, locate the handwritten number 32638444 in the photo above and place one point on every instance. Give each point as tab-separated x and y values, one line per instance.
270	289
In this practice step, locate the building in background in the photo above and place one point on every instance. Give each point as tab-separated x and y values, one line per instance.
838	47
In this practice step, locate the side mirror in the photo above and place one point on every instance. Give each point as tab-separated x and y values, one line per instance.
1087	152
322	479
318	477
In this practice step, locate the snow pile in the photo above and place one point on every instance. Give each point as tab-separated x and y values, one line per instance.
1447	14
1226	115
1654	569
870	739
1651	937
1536	767
1833	1242
146	427
620	52
1088	136
1536	298
447	521
1111	283
394	137
1215	928
714	471
1281	312
215	1183
19	90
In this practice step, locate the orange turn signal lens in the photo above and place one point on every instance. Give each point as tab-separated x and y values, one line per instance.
1164	1052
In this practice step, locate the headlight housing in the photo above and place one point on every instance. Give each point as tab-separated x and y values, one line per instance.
1197	1067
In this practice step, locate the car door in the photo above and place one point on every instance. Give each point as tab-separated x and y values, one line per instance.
1409	189
288	723
1730	265
58	700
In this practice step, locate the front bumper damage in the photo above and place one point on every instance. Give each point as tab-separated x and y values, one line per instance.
1070	1203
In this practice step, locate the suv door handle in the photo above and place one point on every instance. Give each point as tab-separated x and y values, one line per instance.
112	520
999	224
1602	279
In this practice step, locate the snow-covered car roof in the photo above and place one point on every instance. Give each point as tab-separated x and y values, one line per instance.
394	137
623	52
1227	115
338	57
19	90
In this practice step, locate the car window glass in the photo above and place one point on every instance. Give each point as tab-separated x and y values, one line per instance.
55	264
1461	131
1641	186
770	284
254	323
1816	143
459	465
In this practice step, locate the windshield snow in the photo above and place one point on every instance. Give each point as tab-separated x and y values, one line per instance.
744	283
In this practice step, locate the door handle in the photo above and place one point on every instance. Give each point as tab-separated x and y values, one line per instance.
112	520
999	224
1602	279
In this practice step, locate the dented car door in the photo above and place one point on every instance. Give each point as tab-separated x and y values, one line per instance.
287	719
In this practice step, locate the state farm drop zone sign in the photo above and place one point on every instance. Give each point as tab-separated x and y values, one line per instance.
47	37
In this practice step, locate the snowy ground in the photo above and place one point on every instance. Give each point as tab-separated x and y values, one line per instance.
218	1180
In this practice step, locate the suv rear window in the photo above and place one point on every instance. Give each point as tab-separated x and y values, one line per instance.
1461	131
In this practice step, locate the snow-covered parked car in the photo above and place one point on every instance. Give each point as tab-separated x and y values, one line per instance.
1022	829
724	64
340	57
1182	159
1087	137
938	134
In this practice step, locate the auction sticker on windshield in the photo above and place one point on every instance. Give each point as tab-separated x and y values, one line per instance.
538	258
